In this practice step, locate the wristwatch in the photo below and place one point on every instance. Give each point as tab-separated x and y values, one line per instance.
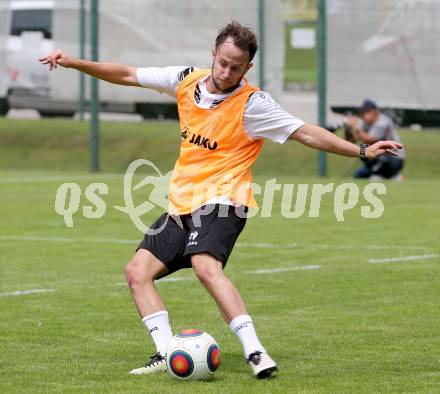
362	152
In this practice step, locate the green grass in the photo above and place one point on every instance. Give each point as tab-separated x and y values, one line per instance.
63	145
300	65
348	327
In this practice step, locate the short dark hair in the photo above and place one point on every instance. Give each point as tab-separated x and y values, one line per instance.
367	105
244	38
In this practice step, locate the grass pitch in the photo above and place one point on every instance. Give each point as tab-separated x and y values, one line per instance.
352	324
62	145
347	326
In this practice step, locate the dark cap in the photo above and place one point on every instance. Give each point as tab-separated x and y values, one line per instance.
367	105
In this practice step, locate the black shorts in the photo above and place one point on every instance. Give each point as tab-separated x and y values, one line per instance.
211	229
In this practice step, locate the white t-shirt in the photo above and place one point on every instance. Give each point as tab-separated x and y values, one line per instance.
263	116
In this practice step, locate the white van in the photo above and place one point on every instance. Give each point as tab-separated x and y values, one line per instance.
28	38
135	32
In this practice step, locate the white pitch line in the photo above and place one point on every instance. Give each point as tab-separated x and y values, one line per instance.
25	292
367	247
258	245
128	241
402	259
265	245
275	270
262	245
176	279
60	178
67	240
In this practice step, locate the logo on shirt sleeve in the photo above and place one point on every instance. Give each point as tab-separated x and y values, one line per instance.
184	73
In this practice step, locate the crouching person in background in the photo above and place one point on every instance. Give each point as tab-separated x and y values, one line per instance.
372	126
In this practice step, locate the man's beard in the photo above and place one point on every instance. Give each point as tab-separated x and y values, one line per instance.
225	91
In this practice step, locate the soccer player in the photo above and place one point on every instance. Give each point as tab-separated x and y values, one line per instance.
224	121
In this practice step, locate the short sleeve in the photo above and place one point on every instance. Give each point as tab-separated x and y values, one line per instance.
380	128
163	79
265	118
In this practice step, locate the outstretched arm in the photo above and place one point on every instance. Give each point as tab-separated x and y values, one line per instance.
319	138
111	72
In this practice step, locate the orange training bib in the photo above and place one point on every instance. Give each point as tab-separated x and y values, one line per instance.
216	155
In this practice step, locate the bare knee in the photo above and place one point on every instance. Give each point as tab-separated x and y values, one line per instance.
143	268
207	269
134	274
